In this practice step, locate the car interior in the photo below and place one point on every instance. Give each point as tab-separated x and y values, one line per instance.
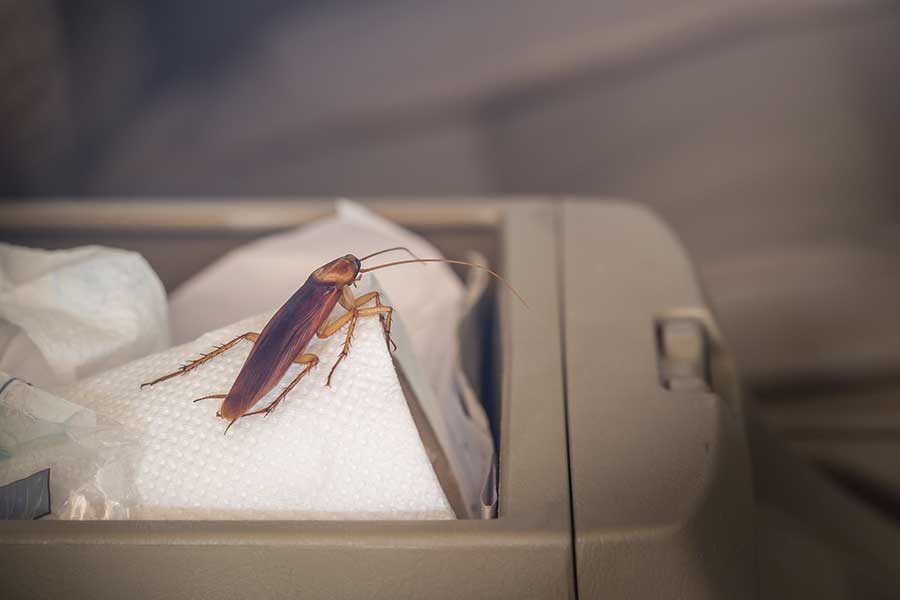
681	375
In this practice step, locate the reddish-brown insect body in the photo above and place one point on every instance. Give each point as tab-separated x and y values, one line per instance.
287	334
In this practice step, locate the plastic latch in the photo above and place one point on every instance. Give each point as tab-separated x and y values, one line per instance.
682	350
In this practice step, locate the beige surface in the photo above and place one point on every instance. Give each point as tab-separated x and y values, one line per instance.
663	502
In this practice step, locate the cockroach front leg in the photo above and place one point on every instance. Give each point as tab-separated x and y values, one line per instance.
352	304
193	364
384	313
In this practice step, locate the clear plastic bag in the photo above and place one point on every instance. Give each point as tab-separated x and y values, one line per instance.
91	458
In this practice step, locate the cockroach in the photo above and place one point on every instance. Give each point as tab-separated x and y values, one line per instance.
284	339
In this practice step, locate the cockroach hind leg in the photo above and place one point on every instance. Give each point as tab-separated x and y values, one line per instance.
310	360
250	336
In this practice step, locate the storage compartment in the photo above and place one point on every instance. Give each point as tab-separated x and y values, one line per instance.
528	546
613	383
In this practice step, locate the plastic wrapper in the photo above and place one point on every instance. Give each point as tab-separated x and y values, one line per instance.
91	458
27	498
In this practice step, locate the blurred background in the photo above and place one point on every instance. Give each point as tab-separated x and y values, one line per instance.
766	133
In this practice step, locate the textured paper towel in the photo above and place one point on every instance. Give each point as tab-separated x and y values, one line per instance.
261	275
346	452
67	314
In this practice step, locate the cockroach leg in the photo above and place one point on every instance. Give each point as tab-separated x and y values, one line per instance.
329	329
310	360
300	360
354	314
250	336
353	304
346	299
210	397
384	313
384	316
367	297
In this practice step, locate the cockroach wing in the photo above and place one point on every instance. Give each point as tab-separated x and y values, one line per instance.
284	337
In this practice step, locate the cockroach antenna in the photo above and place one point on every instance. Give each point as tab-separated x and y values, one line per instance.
404	248
452	262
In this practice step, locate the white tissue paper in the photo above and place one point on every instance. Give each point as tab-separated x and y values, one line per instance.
351	451
67	314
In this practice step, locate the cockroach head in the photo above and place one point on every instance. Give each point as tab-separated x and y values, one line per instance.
341	271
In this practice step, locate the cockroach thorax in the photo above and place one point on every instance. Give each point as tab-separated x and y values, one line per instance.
341	270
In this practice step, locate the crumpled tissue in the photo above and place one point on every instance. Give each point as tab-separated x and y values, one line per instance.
67	314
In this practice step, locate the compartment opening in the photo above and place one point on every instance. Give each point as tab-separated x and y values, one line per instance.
177	253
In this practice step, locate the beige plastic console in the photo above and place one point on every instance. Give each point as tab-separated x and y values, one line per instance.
661	479
615	333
